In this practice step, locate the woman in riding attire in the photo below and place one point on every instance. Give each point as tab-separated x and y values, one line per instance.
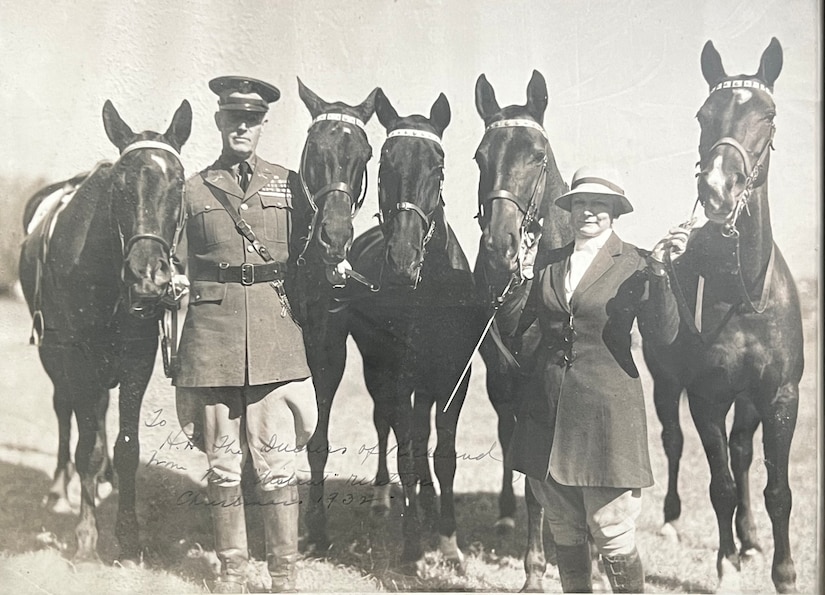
581	435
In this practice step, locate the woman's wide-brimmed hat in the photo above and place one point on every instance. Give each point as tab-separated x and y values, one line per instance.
600	182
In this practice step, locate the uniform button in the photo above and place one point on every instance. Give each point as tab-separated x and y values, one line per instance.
250	248
279	204
207	207
244	206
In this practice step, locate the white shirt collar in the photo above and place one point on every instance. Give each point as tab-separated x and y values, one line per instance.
594	244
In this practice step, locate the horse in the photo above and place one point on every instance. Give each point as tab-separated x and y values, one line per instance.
518	184
740	342
95	272
333	180
417	329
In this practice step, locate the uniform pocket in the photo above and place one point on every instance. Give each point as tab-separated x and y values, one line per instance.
204	292
212	226
277	212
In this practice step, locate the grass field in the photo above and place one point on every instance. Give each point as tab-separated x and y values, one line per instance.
177	539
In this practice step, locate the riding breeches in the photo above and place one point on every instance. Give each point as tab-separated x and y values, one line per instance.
270	423
607	514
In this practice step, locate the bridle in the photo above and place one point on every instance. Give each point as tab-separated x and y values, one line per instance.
753	170
531	227
427	219
314	198
729	229
171	297
170	300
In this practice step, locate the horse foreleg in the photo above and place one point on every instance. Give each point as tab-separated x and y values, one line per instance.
745	421
57	499
423	402
105	479
380	505
709	418
535	563
446	424
501	395
134	378
402	425
317	453
90	461
778	425
327	355
667	392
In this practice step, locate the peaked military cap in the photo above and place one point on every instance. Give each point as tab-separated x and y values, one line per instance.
242	93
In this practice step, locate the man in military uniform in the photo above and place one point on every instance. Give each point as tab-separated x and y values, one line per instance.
242	388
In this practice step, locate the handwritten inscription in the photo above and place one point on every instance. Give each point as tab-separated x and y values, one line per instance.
177	440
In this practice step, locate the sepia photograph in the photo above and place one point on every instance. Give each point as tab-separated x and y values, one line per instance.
493	296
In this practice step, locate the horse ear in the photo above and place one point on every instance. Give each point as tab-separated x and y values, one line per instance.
771	63
367	107
440	113
116	129
314	104
486	103
384	110
181	126
712	68
537	96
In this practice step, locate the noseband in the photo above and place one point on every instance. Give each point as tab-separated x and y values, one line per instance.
169	250
427	219
332	186
530	228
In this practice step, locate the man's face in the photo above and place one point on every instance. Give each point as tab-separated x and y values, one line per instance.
240	131
591	215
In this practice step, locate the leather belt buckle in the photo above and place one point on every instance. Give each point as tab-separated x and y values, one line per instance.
247	273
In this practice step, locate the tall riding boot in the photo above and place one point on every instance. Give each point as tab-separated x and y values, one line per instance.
279	508
625	572
574	568
226	505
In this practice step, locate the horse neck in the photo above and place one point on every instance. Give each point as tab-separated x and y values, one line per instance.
755	234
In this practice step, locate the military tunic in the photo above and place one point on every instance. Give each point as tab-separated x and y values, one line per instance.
237	334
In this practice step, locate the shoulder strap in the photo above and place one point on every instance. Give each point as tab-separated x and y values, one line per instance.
240	224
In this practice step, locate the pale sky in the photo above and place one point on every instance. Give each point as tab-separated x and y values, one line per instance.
623	77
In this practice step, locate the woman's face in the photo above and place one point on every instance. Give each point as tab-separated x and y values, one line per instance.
591	215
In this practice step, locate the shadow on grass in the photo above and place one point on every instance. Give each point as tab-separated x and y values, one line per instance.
367	544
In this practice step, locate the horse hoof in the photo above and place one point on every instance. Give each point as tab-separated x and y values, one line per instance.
504	525
670	532
532	585
730	579
57	504
380	506
751	554
104	490
128	564
452	554
87	560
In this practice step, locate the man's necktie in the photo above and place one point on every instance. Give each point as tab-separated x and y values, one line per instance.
244	174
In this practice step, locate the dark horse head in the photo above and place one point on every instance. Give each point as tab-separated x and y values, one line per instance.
333	171
146	194
409	185
737	135
517	171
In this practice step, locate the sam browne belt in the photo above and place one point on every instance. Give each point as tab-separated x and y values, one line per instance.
245	274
